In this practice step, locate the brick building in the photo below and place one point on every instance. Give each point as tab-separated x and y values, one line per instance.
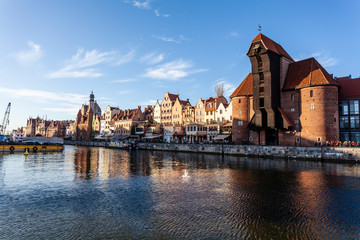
284	102
349	101
126	120
84	119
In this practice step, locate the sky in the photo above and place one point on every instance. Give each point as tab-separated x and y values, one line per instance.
130	52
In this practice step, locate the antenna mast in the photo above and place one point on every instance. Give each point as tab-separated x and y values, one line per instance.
5	120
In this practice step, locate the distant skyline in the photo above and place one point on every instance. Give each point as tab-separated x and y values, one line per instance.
130	52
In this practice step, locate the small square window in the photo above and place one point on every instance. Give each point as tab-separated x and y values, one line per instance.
297	121
239	112
239	100
312	106
292	97
240	123
311	93
292	109
297	139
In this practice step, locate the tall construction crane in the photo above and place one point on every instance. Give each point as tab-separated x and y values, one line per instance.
5	120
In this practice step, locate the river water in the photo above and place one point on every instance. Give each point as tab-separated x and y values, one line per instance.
97	193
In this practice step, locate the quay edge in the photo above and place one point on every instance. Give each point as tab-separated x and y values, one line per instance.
330	154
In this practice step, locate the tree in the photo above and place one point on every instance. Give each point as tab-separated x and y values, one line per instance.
219	89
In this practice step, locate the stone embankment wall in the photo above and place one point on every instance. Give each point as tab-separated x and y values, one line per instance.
339	154
86	143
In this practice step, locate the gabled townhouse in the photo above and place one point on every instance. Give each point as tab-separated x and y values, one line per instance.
220	115
211	104
157	112
188	114
228	112
200	111
177	111
149	113
126	121
109	114
102	124
56	129
166	107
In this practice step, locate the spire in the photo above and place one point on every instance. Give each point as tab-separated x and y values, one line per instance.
92	96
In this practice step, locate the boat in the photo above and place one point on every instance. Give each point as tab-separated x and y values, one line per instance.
35	144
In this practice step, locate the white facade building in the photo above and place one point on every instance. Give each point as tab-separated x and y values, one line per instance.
109	114
157	112
228	112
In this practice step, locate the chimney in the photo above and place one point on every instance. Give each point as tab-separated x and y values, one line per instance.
350	76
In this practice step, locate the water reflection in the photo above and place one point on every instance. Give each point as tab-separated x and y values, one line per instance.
101	193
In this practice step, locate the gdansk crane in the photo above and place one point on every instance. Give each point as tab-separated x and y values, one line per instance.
5	120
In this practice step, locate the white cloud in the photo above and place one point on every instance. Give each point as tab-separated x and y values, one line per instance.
124	80
125	58
68	73
151	102
45	96
172	70
158	14
322	57
228	87
31	55
152	58
78	65
142	4
166	39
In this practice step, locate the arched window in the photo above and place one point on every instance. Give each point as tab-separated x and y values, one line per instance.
311	93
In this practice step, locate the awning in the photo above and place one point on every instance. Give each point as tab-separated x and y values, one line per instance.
221	137
201	135
152	137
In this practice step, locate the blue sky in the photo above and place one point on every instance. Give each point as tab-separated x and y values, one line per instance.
129	52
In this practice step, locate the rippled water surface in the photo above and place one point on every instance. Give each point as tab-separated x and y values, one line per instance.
97	193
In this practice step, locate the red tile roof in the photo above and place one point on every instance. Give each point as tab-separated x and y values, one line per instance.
307	73
245	88
350	88
272	46
182	102
210	99
173	97
284	117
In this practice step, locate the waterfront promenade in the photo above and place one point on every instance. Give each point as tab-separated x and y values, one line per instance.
337	154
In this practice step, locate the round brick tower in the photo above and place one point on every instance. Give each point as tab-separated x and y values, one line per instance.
319	114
